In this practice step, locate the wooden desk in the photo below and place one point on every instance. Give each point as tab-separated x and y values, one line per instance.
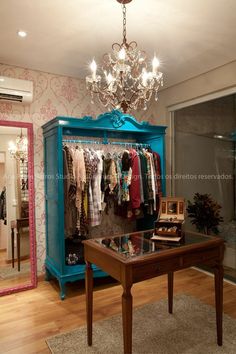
17	224
150	259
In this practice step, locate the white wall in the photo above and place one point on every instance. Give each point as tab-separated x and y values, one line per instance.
2	158
2	173
212	82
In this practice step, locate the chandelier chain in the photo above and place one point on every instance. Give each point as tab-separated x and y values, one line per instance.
126	83
124	24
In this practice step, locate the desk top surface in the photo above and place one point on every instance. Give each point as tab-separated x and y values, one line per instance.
134	246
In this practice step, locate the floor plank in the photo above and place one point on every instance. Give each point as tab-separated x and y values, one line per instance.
29	317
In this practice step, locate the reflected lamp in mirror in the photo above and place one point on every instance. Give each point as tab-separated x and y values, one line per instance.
17	221
19	148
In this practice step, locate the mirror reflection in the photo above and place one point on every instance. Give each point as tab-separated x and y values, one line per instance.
14	208
172	208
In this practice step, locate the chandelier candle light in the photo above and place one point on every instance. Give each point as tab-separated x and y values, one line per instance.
126	84
19	148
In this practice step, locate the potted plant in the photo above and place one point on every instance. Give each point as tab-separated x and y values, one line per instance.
205	213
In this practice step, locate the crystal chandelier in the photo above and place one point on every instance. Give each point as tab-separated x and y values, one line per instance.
19	148
126	83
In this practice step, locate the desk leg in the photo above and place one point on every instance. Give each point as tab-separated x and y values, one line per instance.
12	248
89	301
18	249
219	272
170	291
127	308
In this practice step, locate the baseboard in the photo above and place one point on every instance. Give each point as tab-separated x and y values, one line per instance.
23	258
212	275
41	277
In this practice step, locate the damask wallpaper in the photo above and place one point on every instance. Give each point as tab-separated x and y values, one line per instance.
54	95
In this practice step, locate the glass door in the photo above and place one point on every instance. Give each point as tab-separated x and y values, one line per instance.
204	163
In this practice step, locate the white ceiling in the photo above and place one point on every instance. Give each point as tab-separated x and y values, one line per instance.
189	36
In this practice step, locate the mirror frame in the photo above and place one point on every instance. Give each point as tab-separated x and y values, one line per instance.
33	261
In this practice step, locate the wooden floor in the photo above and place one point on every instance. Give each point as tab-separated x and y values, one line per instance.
28	318
19	278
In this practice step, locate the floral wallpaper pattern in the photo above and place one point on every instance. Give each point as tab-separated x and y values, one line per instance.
53	95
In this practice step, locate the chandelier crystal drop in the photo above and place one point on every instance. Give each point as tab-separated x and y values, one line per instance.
126	83
19	148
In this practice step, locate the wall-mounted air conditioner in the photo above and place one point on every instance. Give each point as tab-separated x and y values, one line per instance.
16	90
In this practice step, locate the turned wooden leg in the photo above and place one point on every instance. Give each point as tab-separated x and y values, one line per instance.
170	291
219	272
127	308
12	248
89	301
18	249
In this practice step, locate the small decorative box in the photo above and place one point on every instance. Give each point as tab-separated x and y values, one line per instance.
168	226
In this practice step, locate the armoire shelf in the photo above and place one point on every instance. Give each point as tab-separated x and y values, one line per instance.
107	126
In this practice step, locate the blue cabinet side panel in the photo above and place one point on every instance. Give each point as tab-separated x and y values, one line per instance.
54	249
51	166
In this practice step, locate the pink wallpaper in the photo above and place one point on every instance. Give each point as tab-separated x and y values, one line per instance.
53	95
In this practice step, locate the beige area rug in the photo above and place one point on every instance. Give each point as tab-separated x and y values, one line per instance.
191	329
9	272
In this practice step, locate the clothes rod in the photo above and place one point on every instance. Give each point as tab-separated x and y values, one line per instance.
108	143
81	141
129	144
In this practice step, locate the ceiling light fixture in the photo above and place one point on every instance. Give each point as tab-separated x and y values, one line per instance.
217	136
19	148
22	34
126	84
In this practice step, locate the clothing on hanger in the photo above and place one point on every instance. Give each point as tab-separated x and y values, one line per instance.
94	178
3	206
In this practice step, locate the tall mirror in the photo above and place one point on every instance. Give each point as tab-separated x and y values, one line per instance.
17	225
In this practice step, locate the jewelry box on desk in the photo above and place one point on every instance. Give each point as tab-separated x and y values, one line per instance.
169	225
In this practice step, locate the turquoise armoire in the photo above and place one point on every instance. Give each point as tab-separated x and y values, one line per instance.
107	126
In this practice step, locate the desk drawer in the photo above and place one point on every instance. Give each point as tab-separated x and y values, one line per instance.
151	270
199	257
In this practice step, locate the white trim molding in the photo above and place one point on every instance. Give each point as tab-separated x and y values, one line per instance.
201	99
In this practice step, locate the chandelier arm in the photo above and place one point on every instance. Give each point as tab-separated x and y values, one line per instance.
113	105
147	93
113	94
136	93
127	83
105	89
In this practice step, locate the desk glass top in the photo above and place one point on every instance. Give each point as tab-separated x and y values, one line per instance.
139	243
